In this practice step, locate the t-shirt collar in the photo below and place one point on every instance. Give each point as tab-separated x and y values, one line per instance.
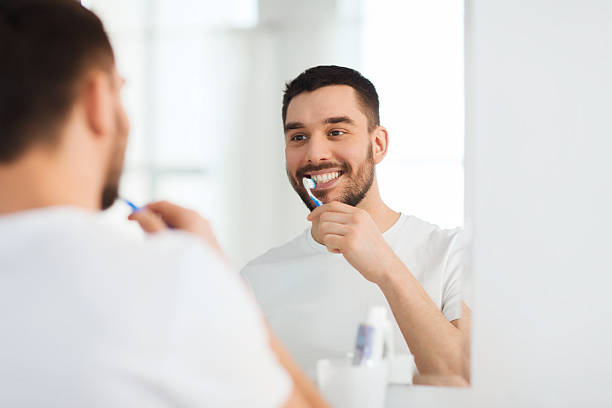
387	234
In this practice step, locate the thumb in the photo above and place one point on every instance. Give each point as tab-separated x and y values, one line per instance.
316	213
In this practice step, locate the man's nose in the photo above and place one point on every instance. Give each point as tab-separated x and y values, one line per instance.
319	149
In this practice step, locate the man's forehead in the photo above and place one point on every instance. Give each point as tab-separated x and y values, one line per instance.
323	103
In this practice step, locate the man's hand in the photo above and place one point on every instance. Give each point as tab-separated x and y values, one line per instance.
161	215
352	232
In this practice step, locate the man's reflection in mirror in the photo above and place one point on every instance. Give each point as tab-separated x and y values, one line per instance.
358	252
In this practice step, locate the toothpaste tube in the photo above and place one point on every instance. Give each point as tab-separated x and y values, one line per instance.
374	340
363	344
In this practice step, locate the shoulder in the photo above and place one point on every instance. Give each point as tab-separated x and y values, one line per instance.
117	246
178	245
432	235
425	240
296	248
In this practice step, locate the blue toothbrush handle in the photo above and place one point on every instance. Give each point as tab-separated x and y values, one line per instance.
317	202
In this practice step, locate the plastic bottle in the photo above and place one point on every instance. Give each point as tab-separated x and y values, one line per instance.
374	338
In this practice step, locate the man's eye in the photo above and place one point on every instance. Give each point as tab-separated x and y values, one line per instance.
336	132
298	138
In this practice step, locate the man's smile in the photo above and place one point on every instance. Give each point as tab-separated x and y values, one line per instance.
325	178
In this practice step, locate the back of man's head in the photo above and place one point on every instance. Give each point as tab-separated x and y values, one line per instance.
46	47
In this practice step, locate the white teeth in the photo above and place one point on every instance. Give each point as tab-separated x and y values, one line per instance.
324	178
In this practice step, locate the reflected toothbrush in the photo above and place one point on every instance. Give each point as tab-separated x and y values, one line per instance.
309	184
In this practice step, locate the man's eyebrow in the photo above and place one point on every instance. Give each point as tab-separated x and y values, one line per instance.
339	119
293	125
335	119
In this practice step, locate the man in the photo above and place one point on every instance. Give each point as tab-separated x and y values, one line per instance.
89	316
313	297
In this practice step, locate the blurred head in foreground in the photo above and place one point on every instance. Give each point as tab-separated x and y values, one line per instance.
63	127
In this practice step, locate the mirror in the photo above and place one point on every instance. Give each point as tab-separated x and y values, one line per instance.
205	82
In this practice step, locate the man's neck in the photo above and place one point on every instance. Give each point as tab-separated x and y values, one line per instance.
39	180
383	216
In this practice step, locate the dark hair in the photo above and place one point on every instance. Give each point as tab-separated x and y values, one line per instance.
46	47
325	75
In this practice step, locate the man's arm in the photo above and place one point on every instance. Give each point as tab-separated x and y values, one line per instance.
437	344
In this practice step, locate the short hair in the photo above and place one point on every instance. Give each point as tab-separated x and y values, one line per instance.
325	75
46	46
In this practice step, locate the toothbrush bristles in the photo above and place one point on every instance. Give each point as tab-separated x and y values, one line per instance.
308	183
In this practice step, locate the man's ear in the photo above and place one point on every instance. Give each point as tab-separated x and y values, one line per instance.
97	99
380	144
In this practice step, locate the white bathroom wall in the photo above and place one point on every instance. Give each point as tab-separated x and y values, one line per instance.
538	200
540	194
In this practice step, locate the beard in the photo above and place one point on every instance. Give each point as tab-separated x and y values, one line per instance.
358	182
110	190
110	194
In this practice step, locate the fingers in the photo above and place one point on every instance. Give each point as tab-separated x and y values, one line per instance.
173	215
184	219
327	227
161	215
148	220
334	206
340	218
333	242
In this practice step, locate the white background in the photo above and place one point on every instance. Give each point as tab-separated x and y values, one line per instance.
538	198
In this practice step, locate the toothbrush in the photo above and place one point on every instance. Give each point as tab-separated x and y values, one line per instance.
133	206
308	185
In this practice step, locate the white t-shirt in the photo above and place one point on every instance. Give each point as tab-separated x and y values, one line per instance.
90	317
315	300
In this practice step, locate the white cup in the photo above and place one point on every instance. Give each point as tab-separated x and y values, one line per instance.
348	386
